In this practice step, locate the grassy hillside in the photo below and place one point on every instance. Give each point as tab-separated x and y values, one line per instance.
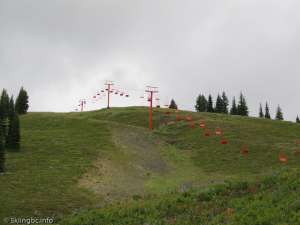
273	200
70	162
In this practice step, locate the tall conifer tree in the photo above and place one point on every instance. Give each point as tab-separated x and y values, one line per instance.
2	118
219	105
4	102
13	136
22	102
279	114
2	150
201	104
261	113
267	111
225	103
242	106
4	111
233	110
11	107
210	104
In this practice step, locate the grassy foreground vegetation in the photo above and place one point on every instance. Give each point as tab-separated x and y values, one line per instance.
72	162
273	200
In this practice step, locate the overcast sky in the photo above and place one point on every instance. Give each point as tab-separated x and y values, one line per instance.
64	50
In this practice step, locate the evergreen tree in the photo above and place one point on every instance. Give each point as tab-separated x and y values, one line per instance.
11	108
173	104
261	113
267	111
4	111
233	110
22	102
2	126
219	105
297	119
11	113
242	107
279	114
225	102
13	136
1	112
4	102
201	104
210	104
2	150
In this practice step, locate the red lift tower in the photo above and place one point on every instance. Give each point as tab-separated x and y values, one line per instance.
151	91
109	84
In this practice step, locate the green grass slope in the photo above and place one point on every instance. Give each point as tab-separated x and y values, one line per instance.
70	162
41	178
272	200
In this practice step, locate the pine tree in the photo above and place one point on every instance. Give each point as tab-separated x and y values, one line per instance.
219	105
261	113
173	104
242	107
11	113
2	150
22	102
297	119
210	104
225	103
4	102
279	114
11	107
1	112
267	111
233	110
4	111
201	104
13	136
2	118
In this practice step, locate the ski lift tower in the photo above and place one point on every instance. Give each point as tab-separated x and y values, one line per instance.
82	103
151	91
109	84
